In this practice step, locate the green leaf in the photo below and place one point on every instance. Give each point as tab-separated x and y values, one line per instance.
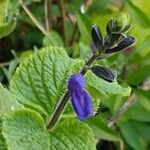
143	98
117	101
143	5
53	39
72	134
3	11
7	29
11	69
8	102
24	130
101	130
84	25
105	87
130	136
139	126
3	145
137	112
139	75
138	15
41	81
27	130
144	48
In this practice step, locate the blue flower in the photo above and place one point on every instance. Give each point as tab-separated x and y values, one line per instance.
80	98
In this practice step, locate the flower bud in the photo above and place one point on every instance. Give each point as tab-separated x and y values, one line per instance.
118	24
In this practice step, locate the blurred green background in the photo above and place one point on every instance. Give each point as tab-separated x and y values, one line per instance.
69	26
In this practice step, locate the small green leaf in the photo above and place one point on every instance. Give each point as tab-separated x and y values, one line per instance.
130	135
101	130
105	87
116	102
8	102
84	25
144	47
3	11
7	29
138	15
138	113
139	75
72	134
53	39
143	98
139	126
25	130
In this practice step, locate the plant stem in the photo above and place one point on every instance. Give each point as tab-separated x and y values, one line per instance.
33	18
73	34
3	64
130	101
62	9
60	107
47	7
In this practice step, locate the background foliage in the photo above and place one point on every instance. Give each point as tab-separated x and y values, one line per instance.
123	117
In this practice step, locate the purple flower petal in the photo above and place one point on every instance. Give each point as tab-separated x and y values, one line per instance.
76	81
82	103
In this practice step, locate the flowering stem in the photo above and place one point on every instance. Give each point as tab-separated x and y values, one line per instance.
60	107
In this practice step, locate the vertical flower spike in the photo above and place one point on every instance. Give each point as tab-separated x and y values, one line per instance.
80	98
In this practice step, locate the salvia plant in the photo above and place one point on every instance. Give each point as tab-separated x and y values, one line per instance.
51	102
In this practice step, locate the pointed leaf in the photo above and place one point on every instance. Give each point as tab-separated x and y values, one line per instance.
52	39
103	87
8	102
103	73
139	113
97	37
84	25
124	44
143	98
139	75
101	130
130	135
138	15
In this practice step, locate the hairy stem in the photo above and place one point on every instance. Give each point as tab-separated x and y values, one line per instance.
33	18
60	107
47	7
